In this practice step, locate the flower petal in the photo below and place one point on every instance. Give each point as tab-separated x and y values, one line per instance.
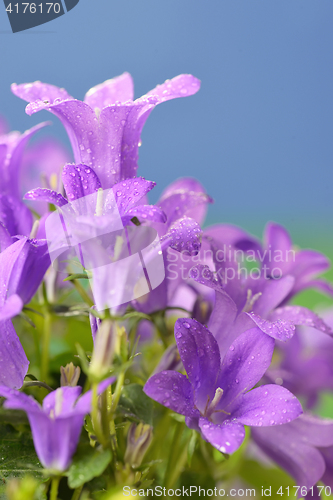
267	405
184	236
280	329
11	308
245	363
79	181
14	363
185	196
61	401
273	293
143	213
173	390
179	86
200	355
16	400
302	461
39	91
298	315
15	215
120	89
41	194
226	437
130	191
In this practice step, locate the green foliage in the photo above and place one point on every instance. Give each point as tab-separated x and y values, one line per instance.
17	456
88	463
135	405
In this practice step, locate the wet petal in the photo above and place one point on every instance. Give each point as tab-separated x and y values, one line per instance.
298	315
129	192
39	91
246	361
184	236
173	390
120	89
200	355
143	213
41	194
180	86
226	437
267	405
79	181
280	329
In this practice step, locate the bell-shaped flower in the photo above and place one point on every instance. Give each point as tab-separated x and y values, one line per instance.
303	448
105	128
56	426
216	398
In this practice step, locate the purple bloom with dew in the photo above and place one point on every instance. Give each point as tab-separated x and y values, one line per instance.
56	426
216	398
105	128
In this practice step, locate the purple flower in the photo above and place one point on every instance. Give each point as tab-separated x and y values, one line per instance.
215	397
184	203
56	426
304	448
105	129
305	363
15	215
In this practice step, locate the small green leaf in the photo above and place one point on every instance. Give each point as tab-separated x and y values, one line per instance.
88	463
134	404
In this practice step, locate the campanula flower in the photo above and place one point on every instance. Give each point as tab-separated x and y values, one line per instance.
215	397
304	448
56	426
105	128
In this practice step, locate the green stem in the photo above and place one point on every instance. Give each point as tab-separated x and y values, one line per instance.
114	404
83	293
46	345
177	457
77	493
95	417
54	488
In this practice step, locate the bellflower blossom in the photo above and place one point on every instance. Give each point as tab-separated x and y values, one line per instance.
215	397
15	215
304	448
105	128
56	426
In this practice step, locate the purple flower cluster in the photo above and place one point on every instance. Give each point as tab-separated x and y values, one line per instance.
239	292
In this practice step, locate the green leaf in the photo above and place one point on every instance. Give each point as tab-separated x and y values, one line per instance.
134	404
88	463
17	457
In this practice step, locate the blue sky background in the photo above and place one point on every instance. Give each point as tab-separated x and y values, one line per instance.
258	135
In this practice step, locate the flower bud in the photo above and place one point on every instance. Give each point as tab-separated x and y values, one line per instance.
169	361
139	438
104	349
70	375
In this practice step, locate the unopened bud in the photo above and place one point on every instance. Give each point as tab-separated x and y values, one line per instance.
70	375
169	361
139	438
202	310
104	349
